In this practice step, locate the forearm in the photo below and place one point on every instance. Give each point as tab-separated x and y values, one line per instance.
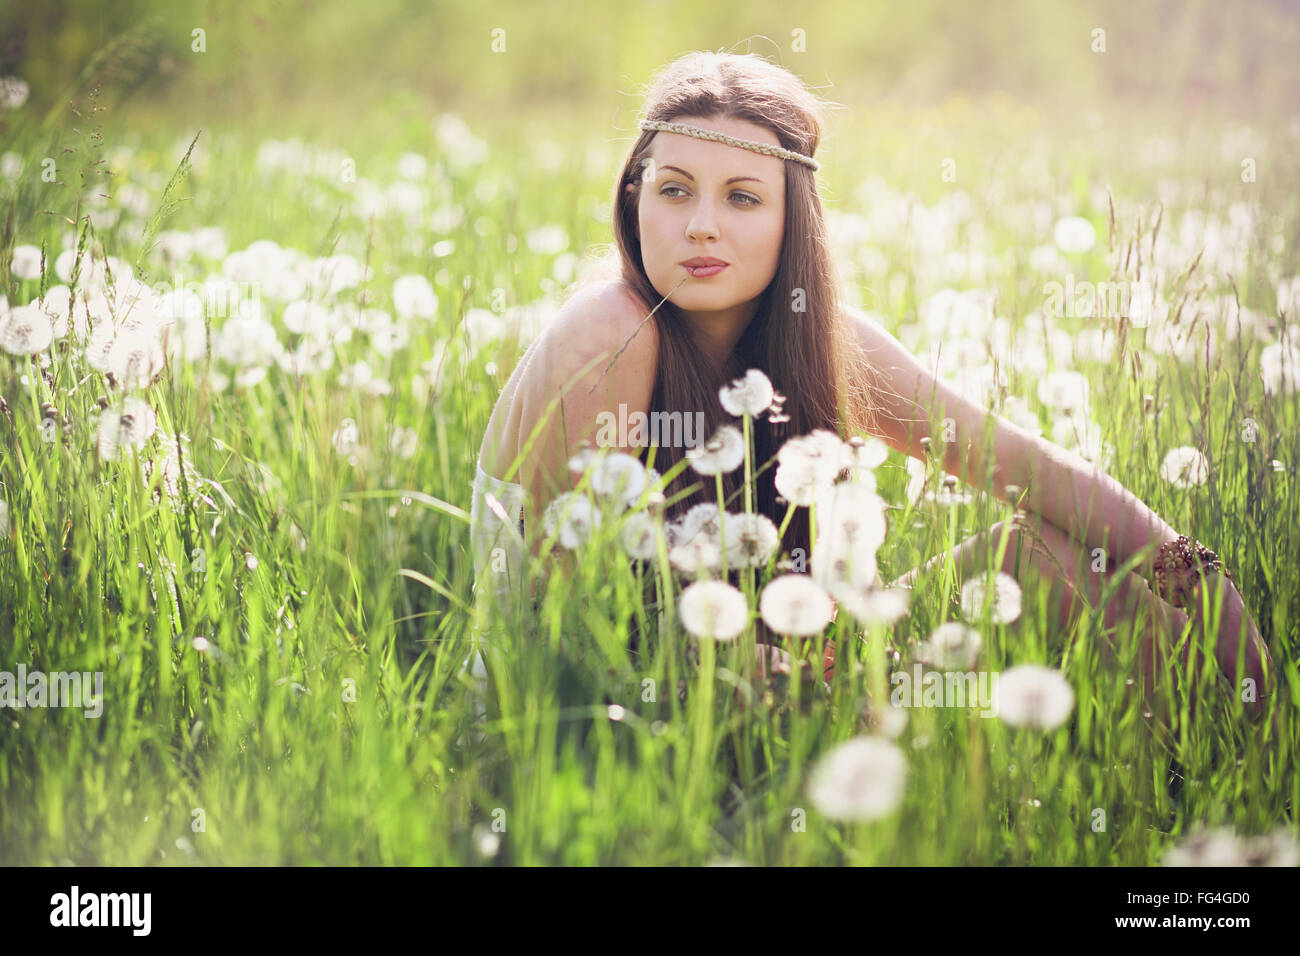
1087	503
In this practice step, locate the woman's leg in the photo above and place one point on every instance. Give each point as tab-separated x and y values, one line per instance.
1049	553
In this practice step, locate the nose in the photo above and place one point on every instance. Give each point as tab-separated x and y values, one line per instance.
702	223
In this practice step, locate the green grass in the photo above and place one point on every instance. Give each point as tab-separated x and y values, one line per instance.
333	723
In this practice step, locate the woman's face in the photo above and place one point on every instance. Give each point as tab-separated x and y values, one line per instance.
711	200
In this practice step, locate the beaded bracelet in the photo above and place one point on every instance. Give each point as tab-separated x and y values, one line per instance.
1177	564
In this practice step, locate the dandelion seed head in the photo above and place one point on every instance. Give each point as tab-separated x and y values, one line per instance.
1279	368
618	477
125	428
1184	467
796	605
1033	696
572	518
751	395
1006	598
884	606
719	455
953	646
1064	389
346	438
486	841
25	330
752	539
862	779
1074	234
639	536
713	609
1218	846
26	262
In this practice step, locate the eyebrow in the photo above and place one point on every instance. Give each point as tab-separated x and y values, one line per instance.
733	179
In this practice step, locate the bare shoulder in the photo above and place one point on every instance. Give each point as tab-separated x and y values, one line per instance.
573	357
606	315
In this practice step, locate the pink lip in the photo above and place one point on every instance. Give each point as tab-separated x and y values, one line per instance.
700	261
705	271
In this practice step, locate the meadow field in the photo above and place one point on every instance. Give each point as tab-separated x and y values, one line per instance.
244	376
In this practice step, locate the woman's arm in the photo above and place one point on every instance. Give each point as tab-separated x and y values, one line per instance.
1061	486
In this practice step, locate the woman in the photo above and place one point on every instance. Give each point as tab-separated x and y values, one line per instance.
724	265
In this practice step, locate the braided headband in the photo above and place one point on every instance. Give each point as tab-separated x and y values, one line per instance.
699	133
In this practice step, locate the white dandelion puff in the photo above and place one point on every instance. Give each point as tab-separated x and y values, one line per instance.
843	569
412	166
583	459
1207	847
701	552
174	470
573	517
1279	848
1074	234
751	539
751	395
619	477
885	606
953	646
26	262
247	341
639	536
853	514
798	482
547	240
915	478
13	92
867	455
713	609
721	454
704	518
861	779
1064	389
346	438
1288	296
1033	696
1006	598
796	605
301	317
125	429
414	298
810	463
821	446
1185	467
25	331
1279	368
135	358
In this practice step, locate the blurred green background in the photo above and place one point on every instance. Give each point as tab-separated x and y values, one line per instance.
298	66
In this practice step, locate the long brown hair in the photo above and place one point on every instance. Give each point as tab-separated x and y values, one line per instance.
810	356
